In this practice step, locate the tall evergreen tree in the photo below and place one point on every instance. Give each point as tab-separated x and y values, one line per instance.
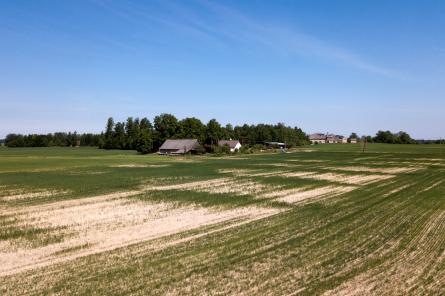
130	137
108	136
119	137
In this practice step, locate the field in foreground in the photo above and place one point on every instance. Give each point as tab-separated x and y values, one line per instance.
326	219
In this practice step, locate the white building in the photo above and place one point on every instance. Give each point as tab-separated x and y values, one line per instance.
234	145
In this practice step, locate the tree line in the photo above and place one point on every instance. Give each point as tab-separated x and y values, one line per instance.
145	137
388	137
53	139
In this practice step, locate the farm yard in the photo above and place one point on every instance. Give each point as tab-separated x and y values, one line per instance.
321	220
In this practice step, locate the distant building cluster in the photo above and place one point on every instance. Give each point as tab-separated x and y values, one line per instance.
319	138
183	146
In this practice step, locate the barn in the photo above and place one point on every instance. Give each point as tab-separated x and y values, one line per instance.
179	146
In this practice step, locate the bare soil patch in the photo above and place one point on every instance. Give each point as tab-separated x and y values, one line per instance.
394	191
220	185
108	223
251	173
38	194
393	170
347	179
433	186
140	165
308	160
316	193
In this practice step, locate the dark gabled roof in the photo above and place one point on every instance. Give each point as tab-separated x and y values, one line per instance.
180	145
317	136
330	137
230	143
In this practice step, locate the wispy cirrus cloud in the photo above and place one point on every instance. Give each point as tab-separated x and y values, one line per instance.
225	26
285	39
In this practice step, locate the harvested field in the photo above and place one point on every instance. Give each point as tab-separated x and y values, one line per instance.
335	221
107	224
219	185
391	170
28	195
328	191
347	179
132	165
251	173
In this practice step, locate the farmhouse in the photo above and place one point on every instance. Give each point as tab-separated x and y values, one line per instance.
180	146
234	145
331	139
342	139
319	138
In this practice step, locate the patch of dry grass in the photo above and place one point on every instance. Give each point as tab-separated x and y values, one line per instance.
219	185
37	194
313	194
108	222
387	170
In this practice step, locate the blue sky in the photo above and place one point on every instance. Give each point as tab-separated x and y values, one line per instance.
328	66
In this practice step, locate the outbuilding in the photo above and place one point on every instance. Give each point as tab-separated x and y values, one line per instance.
179	146
275	145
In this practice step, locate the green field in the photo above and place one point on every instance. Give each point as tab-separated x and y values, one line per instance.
323	219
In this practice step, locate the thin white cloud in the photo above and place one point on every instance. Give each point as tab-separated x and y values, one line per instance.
224	26
284	39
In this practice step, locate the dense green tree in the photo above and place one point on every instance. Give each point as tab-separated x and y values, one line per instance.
14	140
144	143
166	127
89	140
142	136
145	124
353	136
228	132
48	140
390	138
404	138
213	132
384	137
192	128
368	139
131	132
119	136
108	136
